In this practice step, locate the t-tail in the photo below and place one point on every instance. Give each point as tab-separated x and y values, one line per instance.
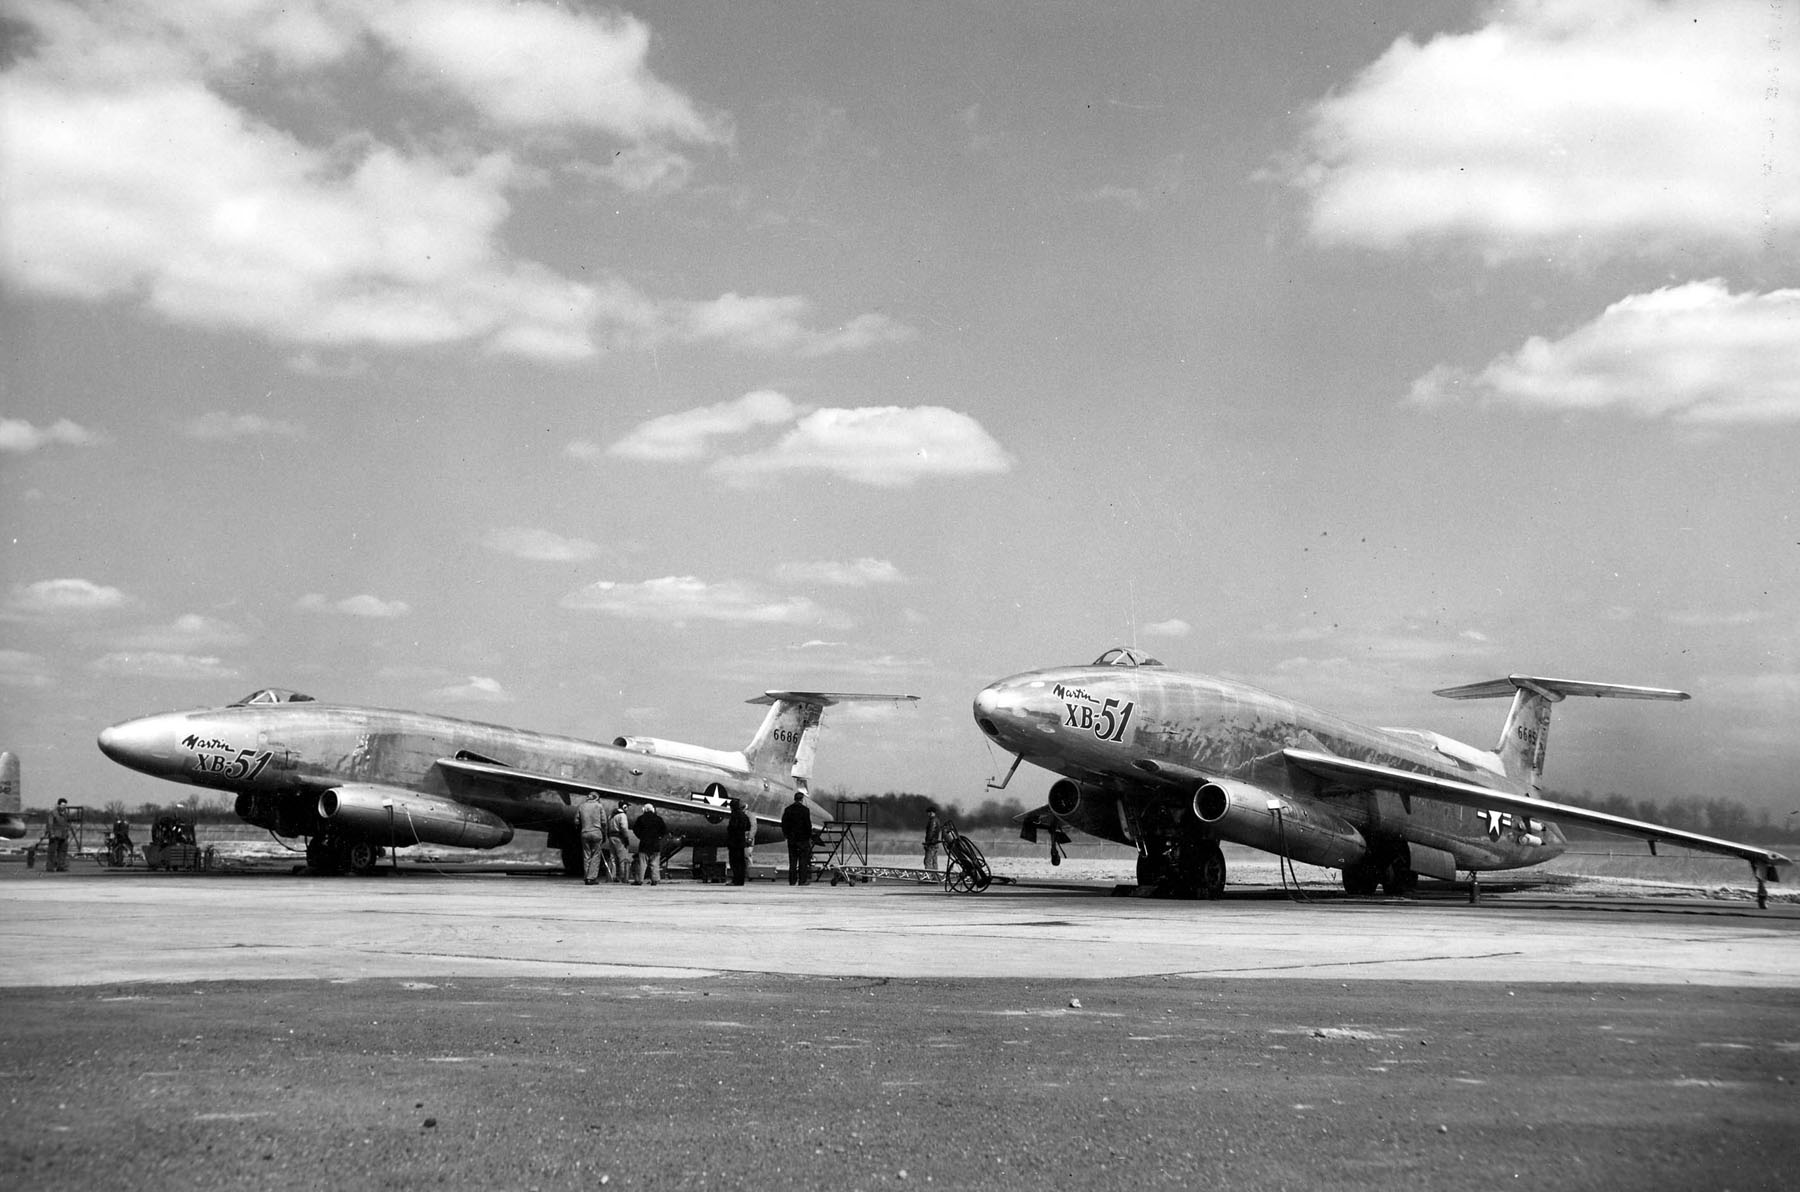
12	806
1526	734
789	737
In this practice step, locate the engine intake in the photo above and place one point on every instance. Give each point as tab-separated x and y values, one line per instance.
1065	797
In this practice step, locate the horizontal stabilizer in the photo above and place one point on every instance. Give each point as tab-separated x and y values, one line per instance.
1555	689
824	699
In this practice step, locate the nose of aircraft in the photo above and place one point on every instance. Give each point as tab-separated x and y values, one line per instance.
147	744
996	708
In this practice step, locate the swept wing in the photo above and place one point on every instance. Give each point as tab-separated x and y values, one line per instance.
493	774
1368	776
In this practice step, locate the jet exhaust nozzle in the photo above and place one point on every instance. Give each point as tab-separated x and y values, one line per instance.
403	818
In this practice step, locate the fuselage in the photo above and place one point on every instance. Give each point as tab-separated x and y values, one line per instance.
1142	734
275	757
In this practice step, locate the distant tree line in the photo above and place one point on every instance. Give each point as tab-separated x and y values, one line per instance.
1714	816
904	811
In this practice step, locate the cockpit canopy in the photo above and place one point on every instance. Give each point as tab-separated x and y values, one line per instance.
273	695
1125	656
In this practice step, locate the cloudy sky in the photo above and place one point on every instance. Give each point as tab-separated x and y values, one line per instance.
593	370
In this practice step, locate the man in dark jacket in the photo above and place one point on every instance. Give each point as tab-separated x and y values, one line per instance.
796	825
740	830
650	830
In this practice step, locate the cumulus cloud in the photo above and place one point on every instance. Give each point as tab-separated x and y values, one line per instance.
538	546
776	324
478	690
859	573
1564	129
158	664
889	446
678	599
536	65
191	631
362	605
141	166
1694	353
220	427
676	438
1174	627
18	436
886	446
65	596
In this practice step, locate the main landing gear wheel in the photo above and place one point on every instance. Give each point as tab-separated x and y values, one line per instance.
361	856
1361	879
1397	877
1212	870
325	854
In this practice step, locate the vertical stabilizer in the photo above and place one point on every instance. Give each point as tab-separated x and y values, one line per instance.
1526	734
785	744
12	806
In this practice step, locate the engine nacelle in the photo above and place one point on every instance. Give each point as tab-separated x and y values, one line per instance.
387	815
1065	797
1278	823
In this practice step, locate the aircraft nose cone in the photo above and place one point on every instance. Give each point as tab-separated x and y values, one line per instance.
144	744
995	707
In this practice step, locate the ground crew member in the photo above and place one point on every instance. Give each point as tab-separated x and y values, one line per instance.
650	830
796	825
740	829
590	817
618	841
57	833
934	836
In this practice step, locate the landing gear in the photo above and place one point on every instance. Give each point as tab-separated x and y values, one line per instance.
1388	869
574	864
329	853
1211	869
361	856
1397	877
1181	862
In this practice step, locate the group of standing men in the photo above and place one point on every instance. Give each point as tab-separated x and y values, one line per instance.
606	843
606	837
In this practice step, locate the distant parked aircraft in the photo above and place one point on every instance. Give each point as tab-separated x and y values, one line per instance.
359	781
1176	763
12	819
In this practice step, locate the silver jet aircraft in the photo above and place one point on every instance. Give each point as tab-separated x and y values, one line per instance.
1175	763
357	782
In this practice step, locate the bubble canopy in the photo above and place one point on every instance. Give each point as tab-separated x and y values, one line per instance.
1125	656
273	695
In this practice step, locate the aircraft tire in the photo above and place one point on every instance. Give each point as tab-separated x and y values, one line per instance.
1148	871
361	856
573	862
1398	878
1212	870
1361	879
324	855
